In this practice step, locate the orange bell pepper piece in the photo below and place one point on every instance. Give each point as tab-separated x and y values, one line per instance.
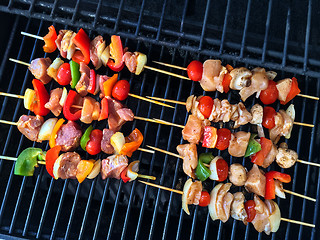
134	140
52	141
49	39
108	85
83	169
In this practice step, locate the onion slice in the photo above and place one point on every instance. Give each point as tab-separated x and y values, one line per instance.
213	169
95	170
63	97
133	170
117	141
186	189
275	215
292	114
141	62
29	98
46	129
213	201
56	167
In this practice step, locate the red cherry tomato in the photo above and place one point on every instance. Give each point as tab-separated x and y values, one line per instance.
222	169
121	90
205	106
224	136
204	199
94	144
64	74
269	95
268	117
251	212
194	70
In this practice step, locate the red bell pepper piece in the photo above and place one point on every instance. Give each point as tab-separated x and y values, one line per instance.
226	82
294	91
249	206
134	140
92	82
104	113
42	97
123	175
69	112
51	156
116	51
210	137
82	41
49	40
270	185
259	157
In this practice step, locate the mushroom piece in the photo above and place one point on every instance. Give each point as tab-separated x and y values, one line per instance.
241	77
286	158
257	114
237	174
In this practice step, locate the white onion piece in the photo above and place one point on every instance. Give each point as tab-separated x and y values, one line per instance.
141	62
213	169
279	189
52	70
95	170
63	97
133	168
29	97
105	56
186	190
46	129
56	167
117	141
275	215
213	201
292	114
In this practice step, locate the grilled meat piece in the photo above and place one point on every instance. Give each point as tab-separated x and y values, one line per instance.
275	132
38	67
211	69
284	87
101	79
237	174
130	60
238	143
113	165
95	46
270	157
190	158
194	194
66	165
30	126
106	146
193	130
241	77
257	114
256	181
68	137
223	203
83	83
59	42
238	211
286	158
261	220
244	116
53	105
65	43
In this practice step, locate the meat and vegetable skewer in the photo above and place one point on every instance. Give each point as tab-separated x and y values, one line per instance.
70	165
212	76
216	168
265	216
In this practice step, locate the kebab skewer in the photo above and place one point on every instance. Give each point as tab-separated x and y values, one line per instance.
212	75
267	185
249	211
70	165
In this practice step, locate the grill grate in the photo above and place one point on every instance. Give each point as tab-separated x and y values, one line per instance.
281	36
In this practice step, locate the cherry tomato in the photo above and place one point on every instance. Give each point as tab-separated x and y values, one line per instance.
121	90
194	70
268	117
94	144
222	169
204	199
224	136
251	212
269	95
64	74
205	106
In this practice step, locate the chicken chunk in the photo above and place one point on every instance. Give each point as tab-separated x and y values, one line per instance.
30	126
53	105
193	130
241	77
112	166
261	220
190	158
38	67
238	211
237	174
270	157
238	143
259	82
223	203
211	69
257	114
256	181
284	87
244	116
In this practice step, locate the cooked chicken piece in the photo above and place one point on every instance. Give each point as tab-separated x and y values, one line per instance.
256	181
244	116
284	87
65	43
53	105
72	47
83	83
259	82
237	174
223	203
225	111
241	77
59	42
101	79
286	158
257	114
211	69
234	112
38	67
218	80
30	126
96	45
238	143
275	132
68	137
287	123
279	189
194	194
270	157
106	146
87	110
195	110
238	211
193	130
130	60
66	165
112	166
190	102
190	158
216	110
261	220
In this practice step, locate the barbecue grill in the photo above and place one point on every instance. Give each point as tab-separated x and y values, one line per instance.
279	35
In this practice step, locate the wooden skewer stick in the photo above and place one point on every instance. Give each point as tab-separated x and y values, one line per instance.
308	96
184	103
170	65
15	159
20	62
300	195
164	151
166	72
155	120
308	163
181	192
31	35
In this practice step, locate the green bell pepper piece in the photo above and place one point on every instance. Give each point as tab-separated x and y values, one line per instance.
27	161
75	73
253	146
206	157
85	137
202	172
